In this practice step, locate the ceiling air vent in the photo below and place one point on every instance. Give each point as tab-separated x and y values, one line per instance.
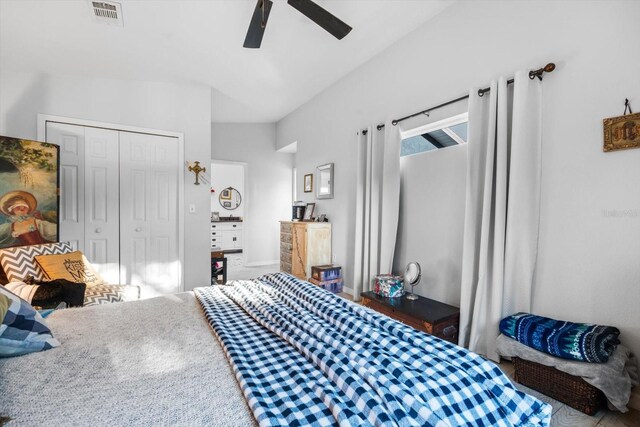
108	12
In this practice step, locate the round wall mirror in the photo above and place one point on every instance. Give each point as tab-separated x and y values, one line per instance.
412	275
230	198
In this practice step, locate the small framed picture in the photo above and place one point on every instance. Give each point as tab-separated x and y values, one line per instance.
308	212
621	132
226	204
226	194
308	183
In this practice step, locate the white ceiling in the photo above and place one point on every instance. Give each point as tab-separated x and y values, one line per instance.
200	41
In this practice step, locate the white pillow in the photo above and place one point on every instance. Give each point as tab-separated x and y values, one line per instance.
21	289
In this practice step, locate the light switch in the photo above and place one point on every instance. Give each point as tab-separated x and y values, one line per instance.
192	208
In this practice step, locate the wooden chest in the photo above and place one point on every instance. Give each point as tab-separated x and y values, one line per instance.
303	245
433	317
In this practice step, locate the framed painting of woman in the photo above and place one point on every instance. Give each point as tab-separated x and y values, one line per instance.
29	192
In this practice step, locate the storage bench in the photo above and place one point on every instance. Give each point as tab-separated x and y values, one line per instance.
568	389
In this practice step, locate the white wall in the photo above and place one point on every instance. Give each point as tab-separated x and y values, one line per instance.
160	106
588	268
225	175
268	184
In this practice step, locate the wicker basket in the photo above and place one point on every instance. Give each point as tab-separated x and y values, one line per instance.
568	389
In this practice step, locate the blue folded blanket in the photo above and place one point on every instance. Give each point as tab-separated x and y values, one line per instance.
578	341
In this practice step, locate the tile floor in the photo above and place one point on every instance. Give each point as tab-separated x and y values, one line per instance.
565	416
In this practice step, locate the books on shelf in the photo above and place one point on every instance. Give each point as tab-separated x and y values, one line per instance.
334	285
326	272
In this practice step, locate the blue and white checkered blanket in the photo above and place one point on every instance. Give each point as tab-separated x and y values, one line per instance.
304	356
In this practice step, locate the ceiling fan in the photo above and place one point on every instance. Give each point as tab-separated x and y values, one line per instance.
320	16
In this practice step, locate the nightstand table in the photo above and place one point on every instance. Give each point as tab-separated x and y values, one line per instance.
424	314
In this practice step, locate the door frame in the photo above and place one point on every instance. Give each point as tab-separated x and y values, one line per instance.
246	200
43	119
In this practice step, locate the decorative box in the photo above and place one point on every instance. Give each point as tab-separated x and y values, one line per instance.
389	286
323	273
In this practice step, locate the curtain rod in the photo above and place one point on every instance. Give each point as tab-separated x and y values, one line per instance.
379	127
532	75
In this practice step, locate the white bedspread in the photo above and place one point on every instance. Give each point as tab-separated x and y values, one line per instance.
152	362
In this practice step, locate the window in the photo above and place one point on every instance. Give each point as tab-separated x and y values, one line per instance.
434	136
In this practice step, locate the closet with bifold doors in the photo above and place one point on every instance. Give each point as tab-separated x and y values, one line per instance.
119	203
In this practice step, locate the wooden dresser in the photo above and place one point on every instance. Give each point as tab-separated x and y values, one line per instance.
303	245
433	317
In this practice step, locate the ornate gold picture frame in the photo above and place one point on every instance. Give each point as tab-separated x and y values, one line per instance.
29	192
308	183
621	132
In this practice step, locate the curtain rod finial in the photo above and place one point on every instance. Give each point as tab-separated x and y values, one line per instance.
539	72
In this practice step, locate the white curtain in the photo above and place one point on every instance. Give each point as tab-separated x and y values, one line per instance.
377	204
502	209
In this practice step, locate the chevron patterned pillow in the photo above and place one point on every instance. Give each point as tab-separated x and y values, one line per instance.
104	294
19	263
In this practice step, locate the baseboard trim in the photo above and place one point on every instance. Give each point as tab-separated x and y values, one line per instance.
634	400
261	263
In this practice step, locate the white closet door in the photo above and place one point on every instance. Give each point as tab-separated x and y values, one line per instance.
102	229
70	138
148	213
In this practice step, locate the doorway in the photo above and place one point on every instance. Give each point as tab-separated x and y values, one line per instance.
229	219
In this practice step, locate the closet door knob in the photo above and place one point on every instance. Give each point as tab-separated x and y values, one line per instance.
138	229
98	230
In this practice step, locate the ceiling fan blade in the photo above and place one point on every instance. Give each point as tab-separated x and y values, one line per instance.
333	25
253	40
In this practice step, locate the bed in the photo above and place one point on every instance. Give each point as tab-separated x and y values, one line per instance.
273	351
